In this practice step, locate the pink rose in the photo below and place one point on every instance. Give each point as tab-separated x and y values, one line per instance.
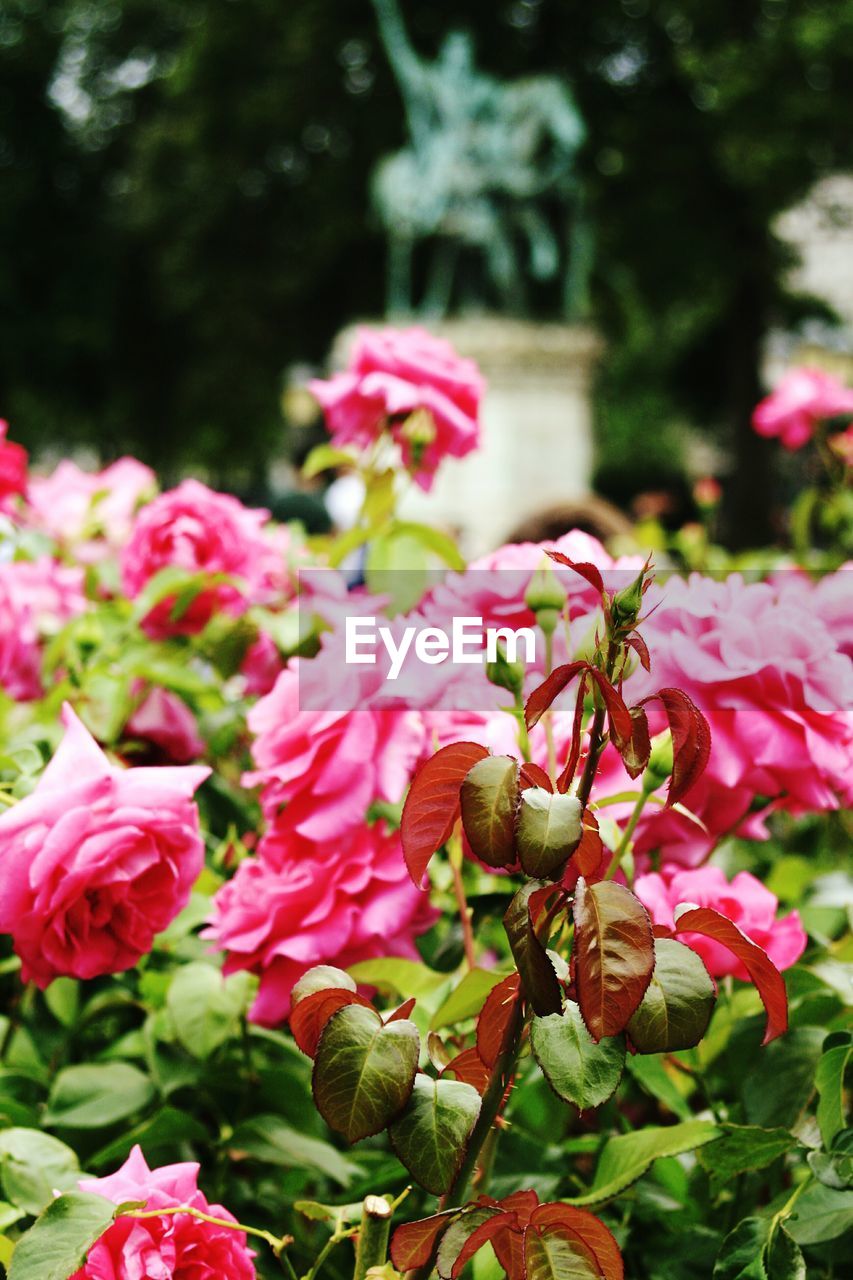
37	598
261	666
802	399
328	767
165	720
298	904
391	374
20	653
90	511
200	531
13	465
96	861
745	900
175	1245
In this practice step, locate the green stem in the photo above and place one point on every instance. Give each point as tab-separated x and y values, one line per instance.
327	1249
372	1249
548	719
276	1243
455	860
627	835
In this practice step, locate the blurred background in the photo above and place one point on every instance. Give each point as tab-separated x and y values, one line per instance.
187	221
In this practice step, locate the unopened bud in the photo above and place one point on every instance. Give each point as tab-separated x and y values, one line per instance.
627	603
660	761
418	431
546	596
506	674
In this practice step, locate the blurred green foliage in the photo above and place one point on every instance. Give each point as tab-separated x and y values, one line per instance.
185	204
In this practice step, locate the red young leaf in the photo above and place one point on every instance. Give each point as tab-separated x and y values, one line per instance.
618	715
587	571
638	644
495	1017
412	1244
309	1017
613	955
566	777
638	748
587	857
691	740
485	1232
533	775
404	1010
432	805
542	697
470	1068
521	1203
588	1230
761	969
509	1251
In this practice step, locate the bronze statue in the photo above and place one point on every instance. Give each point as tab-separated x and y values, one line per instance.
487	179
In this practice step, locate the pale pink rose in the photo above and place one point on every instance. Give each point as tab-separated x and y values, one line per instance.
169	1247
165	720
744	900
391	374
298	904
829	597
91	511
802	399
13	465
96	861
777	692
328	767
202	532
37	598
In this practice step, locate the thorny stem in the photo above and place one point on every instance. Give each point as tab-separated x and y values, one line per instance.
596	742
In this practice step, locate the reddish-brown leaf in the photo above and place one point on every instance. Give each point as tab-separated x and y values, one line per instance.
587	571
495	1018
638	748
309	1017
613	953
588	1230
404	1010
533	775
618	715
412	1244
638	644
566	777
587	857
509	1251
520	1203
550	688
483	1234
761	969
691	740
432	805
470	1068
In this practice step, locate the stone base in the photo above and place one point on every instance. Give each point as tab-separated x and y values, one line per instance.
536	449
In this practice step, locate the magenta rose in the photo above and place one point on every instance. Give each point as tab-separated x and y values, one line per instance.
744	900
172	1245
13	465
202	532
96	861
392	374
803	399
298	904
165	721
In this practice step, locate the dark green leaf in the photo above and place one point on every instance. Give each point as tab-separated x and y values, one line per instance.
821	1213
489	799
268	1138
206	1008
364	1072
33	1165
780	1082
576	1068
743	1147
548	831
56	1245
537	972
92	1096
431	1134
677	1006
829	1079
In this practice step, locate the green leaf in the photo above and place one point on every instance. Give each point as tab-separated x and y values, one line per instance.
364	1071
92	1096
743	1147
62	997
742	1254
33	1165
554	1255
778	1086
675	1011
165	1128
431	1134
652	1075
57	1244
489	798
206	1008
627	1157
395	976
433	540
268	1138
829	1079
835	1168
467	999
324	456
537	972
577	1069
454	1238
548	830
821	1213
614	955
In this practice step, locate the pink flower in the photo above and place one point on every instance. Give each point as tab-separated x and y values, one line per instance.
802	399
758	660
328	767
174	1245
202	532
96	861
261	666
13	465
299	904
392	373
90	511
37	598
165	720
745	901
20	653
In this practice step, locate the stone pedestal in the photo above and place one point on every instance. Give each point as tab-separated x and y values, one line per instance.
536	449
